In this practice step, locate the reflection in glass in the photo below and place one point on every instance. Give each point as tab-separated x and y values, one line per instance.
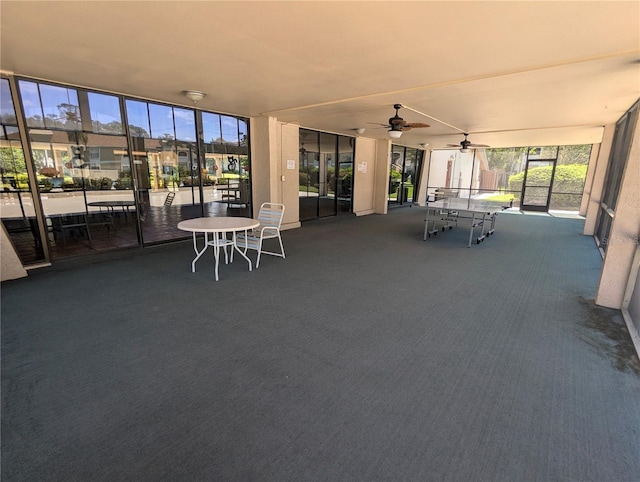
7	112
395	173
16	204
18	214
409	175
229	130
138	118
61	107
344	186
105	113
83	163
211	128
325	174
31	103
161	121
185	124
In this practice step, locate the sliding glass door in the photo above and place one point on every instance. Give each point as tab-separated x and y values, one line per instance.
403	168
102	171
326	174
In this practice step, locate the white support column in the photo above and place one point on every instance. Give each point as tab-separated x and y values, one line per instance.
593	194
274	148
381	190
364	176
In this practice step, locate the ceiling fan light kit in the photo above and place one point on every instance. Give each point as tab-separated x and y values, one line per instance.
466	145
397	125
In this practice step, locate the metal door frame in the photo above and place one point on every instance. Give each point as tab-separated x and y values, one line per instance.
534	207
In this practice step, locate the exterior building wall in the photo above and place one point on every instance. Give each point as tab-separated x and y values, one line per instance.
625	229
631	304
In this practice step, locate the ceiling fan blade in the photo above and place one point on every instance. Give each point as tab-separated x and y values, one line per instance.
478	145
397	121
378	124
415	125
453	145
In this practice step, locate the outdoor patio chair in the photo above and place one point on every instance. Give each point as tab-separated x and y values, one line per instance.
169	199
270	217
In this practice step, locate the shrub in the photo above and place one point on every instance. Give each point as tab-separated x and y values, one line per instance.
568	179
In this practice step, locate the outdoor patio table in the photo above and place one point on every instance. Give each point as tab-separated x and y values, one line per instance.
217	227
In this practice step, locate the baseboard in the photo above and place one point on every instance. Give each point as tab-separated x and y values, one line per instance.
635	336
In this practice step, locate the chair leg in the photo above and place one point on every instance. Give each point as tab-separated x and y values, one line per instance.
259	253
281	246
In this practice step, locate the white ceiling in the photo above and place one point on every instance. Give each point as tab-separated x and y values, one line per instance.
511	73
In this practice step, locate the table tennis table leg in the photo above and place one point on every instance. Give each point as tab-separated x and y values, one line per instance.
493	224
472	228
433	231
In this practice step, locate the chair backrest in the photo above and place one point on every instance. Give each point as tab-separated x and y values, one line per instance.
271	215
169	199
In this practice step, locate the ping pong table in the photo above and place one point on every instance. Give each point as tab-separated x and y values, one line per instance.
449	213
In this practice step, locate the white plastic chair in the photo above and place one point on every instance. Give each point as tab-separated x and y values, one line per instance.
270	217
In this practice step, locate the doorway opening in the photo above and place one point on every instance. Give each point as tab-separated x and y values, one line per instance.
326	174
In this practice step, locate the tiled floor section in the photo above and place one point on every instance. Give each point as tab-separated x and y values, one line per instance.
158	224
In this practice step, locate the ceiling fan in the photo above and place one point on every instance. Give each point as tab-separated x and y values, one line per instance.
466	144
397	125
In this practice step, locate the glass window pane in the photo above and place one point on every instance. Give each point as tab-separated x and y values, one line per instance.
31	103
395	172
544	152
138	118
7	112
345	173
61	107
213	135
161	120
105	113
409	174
185	124
211	127
244	137
230	134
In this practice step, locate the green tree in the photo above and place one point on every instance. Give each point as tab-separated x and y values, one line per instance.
578	154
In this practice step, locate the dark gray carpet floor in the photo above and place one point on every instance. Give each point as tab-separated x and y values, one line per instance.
367	354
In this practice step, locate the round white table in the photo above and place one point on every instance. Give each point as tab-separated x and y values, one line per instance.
218	229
